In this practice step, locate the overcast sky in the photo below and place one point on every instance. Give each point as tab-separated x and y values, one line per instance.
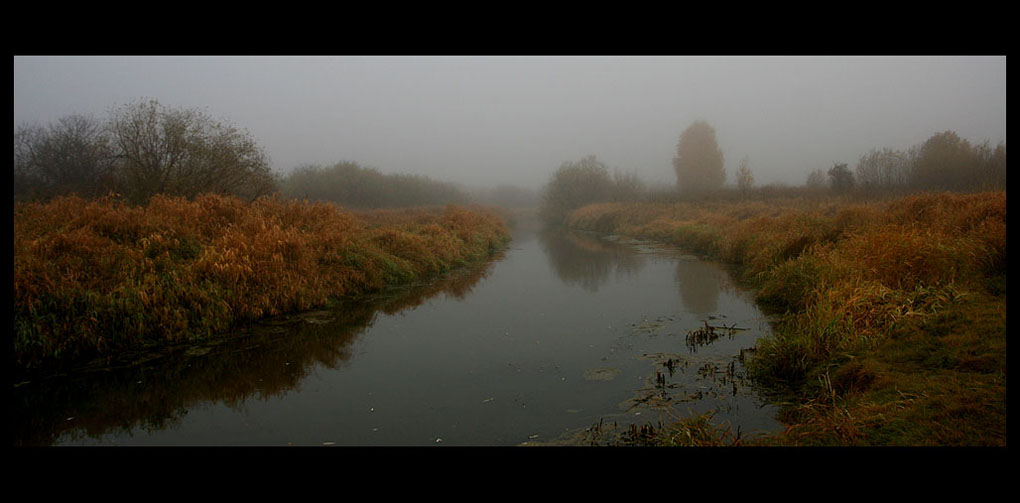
506	119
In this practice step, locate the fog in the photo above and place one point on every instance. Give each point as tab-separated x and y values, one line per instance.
483	121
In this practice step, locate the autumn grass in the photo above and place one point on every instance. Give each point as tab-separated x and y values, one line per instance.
95	277
893	313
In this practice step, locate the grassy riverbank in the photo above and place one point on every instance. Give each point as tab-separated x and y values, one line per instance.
96	277
893	327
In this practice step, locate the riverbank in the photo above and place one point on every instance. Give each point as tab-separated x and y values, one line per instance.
96	277
893	313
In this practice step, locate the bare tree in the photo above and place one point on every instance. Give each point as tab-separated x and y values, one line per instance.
817	179
992	166
185	152
72	155
883	168
745	179
627	186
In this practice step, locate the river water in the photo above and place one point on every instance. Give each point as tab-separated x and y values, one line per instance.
561	333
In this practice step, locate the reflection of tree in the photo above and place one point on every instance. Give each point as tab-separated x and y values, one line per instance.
699	284
587	260
267	360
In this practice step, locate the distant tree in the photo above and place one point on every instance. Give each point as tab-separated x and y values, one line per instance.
992	166
882	169
72	155
841	179
576	184
745	179
184	152
420	190
349	184
508	196
627	186
944	162
817	179
699	160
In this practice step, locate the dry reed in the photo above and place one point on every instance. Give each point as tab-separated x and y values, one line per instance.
919	278
96	276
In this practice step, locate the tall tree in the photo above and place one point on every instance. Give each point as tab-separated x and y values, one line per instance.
699	160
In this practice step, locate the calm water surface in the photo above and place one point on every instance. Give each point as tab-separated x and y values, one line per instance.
561	332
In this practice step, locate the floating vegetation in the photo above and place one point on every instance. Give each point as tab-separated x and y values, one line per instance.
652	326
640	435
604	433
648	326
692	430
603	374
672	362
708	334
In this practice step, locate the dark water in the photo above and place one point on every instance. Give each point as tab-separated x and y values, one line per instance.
560	333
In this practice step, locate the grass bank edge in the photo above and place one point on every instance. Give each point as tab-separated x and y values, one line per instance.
885	307
94	277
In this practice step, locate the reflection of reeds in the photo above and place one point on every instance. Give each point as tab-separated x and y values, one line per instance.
92	277
259	362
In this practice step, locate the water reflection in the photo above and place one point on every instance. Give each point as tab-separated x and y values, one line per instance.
269	360
585	260
522	356
590	261
698	283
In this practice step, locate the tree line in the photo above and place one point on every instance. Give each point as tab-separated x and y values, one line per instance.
349	184
146	148
944	162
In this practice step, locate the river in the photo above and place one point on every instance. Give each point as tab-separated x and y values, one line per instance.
562	332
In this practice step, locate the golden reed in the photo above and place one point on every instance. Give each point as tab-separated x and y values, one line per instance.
96	276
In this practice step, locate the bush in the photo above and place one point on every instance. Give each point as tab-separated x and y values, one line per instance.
350	185
576	184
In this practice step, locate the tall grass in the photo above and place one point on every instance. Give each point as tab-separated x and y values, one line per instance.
855	282
92	277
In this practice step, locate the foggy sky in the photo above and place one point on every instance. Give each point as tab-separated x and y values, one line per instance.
506	119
